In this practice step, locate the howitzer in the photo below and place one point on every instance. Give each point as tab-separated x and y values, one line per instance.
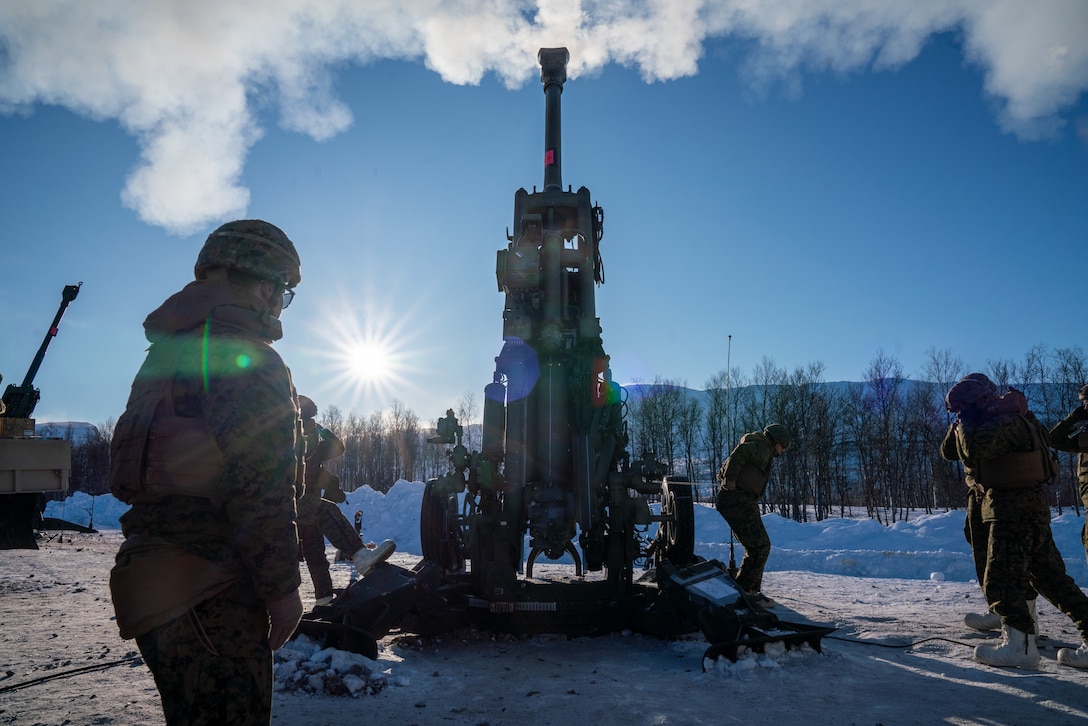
553	478
29	466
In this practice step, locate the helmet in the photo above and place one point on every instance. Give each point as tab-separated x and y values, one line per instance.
778	434
983	379
968	393
307	407
253	246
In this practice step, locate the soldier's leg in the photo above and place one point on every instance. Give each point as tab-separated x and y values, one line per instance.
1083	487
977	534
212	665
742	515
336	527
1054	583
312	543
1006	583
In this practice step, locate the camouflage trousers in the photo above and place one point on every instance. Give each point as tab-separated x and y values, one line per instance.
977	534
741	513
1022	559
325	520
212	665
1084	500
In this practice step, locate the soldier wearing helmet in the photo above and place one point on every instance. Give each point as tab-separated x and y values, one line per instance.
744	476
207	578
1071	434
1006	454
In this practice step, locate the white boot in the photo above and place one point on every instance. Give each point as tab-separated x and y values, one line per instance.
988	621
1017	649
1074	658
365	559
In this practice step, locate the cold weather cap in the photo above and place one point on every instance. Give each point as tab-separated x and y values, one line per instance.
968	393
1084	393
253	246
778	434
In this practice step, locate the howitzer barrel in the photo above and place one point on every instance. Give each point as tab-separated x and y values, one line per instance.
553	74
67	295
20	401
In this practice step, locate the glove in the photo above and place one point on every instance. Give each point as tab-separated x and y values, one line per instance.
284	613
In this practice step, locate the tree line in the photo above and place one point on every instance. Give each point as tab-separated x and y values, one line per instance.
871	444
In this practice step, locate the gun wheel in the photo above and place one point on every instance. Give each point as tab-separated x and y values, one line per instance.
677	534
439	531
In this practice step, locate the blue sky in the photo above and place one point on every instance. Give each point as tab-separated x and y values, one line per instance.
822	182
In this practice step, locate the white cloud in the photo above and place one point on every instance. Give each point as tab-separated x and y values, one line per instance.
181	75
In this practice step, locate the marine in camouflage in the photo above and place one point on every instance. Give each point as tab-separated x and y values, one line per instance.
212	662
318	517
1021	556
738	503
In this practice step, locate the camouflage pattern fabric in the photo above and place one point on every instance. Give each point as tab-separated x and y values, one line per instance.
325	520
1061	440
977	533
741	511
212	665
753	455
1020	552
230	377
318	517
1022	558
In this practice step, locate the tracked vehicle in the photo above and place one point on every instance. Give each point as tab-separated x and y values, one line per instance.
553	477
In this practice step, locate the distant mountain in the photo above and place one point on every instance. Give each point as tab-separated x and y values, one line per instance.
638	391
77	432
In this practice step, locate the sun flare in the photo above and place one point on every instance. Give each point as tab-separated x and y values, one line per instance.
369	361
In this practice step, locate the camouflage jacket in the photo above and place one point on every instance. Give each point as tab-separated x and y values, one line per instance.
1007	455
321	445
229	377
749	464
1063	438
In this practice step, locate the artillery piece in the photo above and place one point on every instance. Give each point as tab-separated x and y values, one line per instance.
553	475
29	466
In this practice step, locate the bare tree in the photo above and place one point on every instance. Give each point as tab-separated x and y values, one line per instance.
404	440
468	411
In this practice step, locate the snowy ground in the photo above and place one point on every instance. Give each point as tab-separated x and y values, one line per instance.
900	654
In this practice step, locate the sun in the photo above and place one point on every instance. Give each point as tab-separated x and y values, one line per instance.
365	353
369	361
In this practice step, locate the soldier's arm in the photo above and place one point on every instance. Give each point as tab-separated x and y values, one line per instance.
949	449
1060	435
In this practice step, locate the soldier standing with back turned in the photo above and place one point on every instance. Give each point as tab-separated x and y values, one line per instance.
1008	454
744	476
205	452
